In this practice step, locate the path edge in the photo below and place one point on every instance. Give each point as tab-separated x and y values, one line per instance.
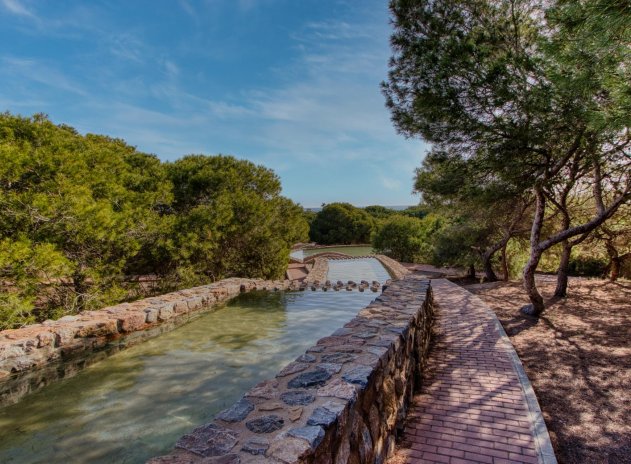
545	452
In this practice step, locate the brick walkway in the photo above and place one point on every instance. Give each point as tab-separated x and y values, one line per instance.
476	405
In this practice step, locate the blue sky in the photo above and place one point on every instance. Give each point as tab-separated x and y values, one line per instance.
291	84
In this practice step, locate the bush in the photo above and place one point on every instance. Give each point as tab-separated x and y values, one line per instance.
587	266
341	223
401	238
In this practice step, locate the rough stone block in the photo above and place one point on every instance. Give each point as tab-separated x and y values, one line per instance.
288	450
265	424
313	434
209	440
256	446
237	412
166	312
311	379
132	321
151	315
45	339
358	375
298	397
95	328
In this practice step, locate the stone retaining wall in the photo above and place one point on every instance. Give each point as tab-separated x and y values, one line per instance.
33	356
318	272
395	268
343	401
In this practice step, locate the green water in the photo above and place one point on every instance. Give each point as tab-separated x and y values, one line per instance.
137	403
349	250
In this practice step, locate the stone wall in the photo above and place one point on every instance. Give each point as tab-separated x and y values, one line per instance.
33	356
343	401
318	272
395	268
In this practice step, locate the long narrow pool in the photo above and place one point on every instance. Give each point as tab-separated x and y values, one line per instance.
136	404
354	250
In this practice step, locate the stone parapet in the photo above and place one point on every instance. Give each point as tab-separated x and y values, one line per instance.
318	272
395	268
343	401
38	354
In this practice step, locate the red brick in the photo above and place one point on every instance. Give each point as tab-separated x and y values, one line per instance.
472	407
436	457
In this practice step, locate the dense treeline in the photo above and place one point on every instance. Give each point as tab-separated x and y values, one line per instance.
527	105
345	224
81	216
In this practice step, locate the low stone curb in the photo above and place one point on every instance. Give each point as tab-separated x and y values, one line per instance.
545	452
37	354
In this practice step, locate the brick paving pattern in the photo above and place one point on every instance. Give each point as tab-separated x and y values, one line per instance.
471	408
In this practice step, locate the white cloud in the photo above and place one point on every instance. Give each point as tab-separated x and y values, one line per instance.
18	8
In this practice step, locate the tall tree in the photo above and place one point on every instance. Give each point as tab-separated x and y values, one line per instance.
230	220
88	199
489	212
525	88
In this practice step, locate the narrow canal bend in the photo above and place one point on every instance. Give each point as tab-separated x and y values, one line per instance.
136	404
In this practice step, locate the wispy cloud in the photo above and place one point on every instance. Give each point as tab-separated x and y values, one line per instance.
126	46
188	8
315	114
17	8
38	71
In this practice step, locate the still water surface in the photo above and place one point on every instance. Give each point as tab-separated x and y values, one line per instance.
349	250
135	404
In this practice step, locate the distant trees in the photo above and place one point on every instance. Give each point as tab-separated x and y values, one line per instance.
341	223
529	95
401	238
78	214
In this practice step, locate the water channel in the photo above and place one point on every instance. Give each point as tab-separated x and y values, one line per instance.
348	250
137	403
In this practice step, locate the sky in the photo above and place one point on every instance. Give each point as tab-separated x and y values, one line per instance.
290	84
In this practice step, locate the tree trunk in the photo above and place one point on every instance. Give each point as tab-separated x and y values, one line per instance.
563	271
505	264
536	306
80	288
615	269
471	273
489	274
615	261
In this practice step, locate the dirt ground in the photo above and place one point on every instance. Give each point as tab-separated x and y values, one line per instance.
578	358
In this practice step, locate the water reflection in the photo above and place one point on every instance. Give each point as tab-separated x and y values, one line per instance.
136	404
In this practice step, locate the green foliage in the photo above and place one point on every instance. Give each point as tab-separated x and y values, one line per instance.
341	223
419	211
79	214
588	266
520	99
401	237
23	267
379	212
231	219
